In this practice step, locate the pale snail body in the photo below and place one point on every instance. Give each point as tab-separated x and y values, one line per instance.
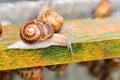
37	39
56	39
30	73
103	10
53	18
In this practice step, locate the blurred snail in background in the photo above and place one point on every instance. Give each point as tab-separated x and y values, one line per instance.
103	9
60	67
30	73
53	18
50	16
39	34
1	32
0	29
113	63
6	75
98	68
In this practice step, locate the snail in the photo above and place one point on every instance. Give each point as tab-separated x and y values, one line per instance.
1	32
103	9
39	34
98	68
113	63
53	18
6	75
61	67
30	73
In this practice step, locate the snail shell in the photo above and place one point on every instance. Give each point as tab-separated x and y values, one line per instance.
30	73
53	18
6	75
113	63
61	67
35	30
1	37
0	29
103	10
37	73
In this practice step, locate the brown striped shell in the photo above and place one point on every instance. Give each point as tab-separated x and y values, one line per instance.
35	30
30	73
60	67
113	63
103	10
53	18
0	29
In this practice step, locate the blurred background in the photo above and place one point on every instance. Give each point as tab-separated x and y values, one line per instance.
19	11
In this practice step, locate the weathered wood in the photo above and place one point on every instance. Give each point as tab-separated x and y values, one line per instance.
92	40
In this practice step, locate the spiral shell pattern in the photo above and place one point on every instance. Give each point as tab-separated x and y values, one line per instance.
54	19
35	30
0	29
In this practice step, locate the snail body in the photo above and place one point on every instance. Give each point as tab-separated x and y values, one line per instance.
53	18
103	10
56	39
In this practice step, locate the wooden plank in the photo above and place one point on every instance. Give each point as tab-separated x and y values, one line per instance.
92	40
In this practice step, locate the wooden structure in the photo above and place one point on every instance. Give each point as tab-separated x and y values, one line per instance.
92	40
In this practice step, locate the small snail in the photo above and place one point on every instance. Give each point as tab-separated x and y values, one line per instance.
6	75
1	32
61	67
37	72
104	75
98	68
53	18
113	63
30	73
38	34
103	10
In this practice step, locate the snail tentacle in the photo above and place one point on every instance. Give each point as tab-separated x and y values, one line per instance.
70	48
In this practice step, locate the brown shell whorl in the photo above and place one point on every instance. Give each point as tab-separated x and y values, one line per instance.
0	29
60	67
35	30
54	19
103	9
